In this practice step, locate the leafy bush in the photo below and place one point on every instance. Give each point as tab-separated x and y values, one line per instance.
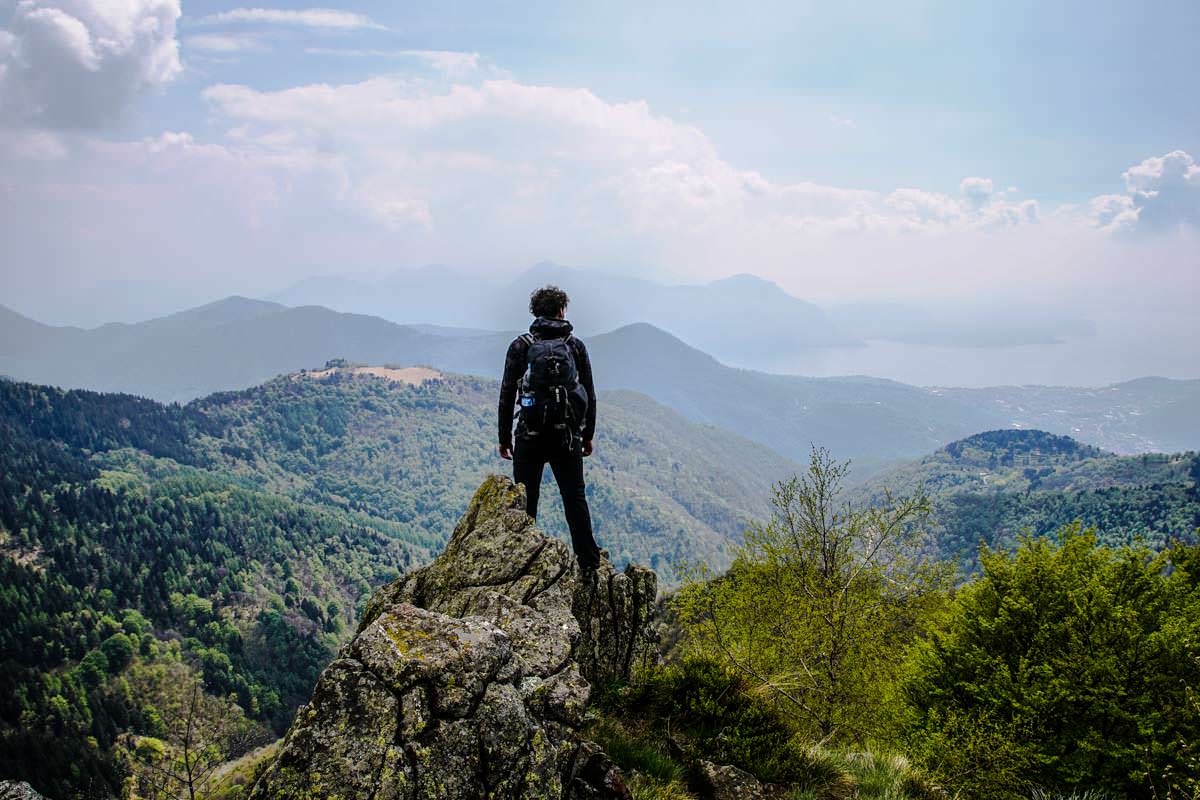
820	603
1066	666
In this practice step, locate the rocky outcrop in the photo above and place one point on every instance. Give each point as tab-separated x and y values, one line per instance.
14	790
468	678
731	783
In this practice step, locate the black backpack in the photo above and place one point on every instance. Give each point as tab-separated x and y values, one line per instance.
553	403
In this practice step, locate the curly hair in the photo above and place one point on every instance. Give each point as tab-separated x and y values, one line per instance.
548	301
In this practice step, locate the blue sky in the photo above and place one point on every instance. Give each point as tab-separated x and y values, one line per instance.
1021	155
1056	98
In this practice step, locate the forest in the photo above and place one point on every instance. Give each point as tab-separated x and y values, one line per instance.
165	564
235	538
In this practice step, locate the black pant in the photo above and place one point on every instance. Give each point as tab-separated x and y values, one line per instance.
529	461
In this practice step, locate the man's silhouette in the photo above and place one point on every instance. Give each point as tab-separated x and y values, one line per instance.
550	370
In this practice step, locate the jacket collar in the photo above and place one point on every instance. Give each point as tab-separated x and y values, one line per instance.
547	328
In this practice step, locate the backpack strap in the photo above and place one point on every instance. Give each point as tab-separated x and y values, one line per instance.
528	339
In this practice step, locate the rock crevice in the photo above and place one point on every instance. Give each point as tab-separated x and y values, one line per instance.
470	677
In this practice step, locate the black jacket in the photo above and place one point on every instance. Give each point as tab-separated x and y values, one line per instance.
515	363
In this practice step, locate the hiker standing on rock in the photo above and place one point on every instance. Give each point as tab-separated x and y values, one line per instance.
548	372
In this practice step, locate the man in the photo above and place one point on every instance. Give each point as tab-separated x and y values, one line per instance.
550	369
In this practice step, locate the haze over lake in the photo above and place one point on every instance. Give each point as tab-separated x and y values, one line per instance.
1123	349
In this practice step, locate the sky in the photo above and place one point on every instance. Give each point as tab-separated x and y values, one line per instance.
969	155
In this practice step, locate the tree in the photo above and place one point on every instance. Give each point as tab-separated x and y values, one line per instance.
199	733
93	668
820	601
1084	657
118	650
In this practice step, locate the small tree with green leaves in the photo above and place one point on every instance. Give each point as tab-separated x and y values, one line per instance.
820	602
199	733
1084	657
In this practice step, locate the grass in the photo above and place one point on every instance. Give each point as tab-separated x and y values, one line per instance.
233	779
658	730
636	751
644	787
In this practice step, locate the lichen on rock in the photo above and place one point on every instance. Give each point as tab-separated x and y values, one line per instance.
469	678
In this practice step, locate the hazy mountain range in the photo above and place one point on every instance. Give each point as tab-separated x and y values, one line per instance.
743	320
237	343
727	318
730	318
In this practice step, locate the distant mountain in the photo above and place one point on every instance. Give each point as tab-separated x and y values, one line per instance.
231	344
222	312
861	418
737	319
874	420
237	343
993	486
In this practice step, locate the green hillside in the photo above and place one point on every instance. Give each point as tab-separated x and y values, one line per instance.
994	486
234	538
662	489
111	576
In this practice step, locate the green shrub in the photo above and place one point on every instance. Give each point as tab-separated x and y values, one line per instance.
1065	666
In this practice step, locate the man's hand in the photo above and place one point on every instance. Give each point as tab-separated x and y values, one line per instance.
587	448
506	452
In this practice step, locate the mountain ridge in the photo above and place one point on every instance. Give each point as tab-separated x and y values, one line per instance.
601	301
870	419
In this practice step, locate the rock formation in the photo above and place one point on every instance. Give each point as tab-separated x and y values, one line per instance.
469	678
731	783
15	790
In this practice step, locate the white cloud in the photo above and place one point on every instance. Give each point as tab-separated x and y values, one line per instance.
437	156
1113	213
1149	177
82	63
223	43
926	207
504	170
1165	190
978	191
1162	194
497	173
329	18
